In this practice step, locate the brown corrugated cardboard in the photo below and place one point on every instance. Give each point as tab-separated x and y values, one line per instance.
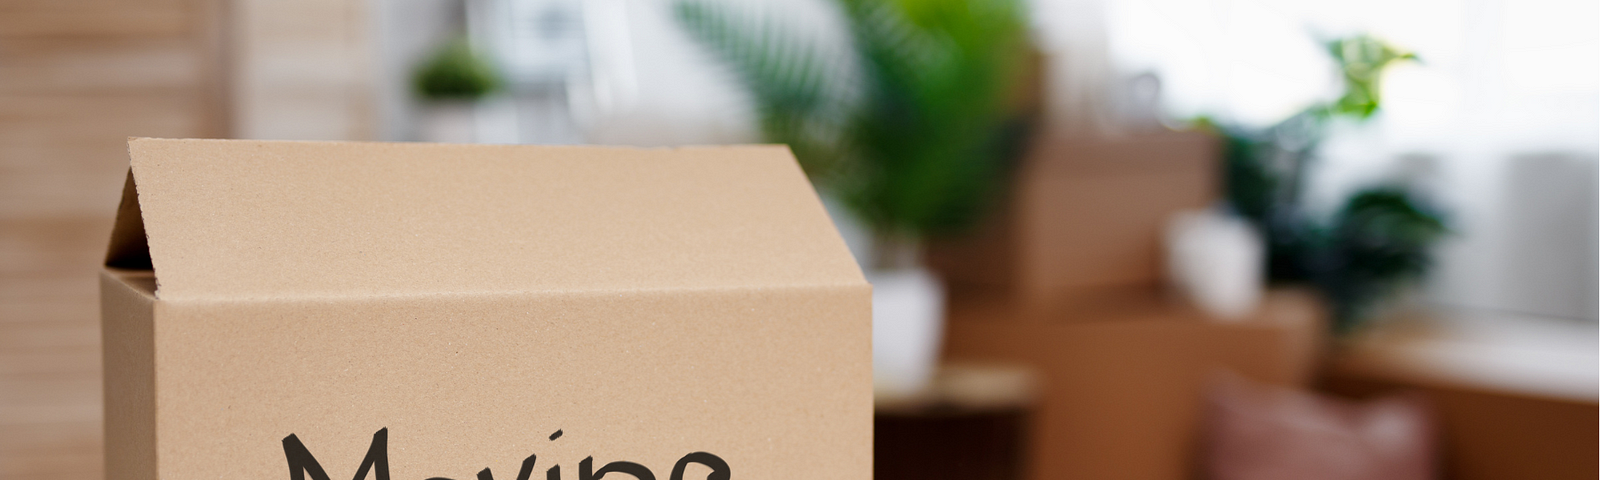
1121	395
1084	220
413	311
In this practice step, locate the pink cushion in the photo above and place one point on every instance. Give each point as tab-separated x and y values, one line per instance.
1258	432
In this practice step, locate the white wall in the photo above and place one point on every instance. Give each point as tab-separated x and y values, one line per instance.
1500	121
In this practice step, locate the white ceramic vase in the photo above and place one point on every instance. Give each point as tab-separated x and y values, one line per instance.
907	330
1218	261
448	122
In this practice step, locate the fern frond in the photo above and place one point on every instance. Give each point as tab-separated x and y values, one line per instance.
919	145
796	90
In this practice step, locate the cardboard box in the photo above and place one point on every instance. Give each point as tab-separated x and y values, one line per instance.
413	310
1121	396
1084	220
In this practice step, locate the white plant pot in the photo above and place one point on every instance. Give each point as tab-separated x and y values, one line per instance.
448	122
1218	261
907	330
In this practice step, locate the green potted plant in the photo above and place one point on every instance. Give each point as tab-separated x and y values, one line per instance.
911	130
450	85
1380	238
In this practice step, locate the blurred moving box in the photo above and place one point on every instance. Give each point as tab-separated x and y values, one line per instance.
444	310
1084	221
1068	278
1121	395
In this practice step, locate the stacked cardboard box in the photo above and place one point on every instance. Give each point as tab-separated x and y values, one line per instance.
1068	280
1084	220
454	310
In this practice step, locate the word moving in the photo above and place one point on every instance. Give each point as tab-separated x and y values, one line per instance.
302	463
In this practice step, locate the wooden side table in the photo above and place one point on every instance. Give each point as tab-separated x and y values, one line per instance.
970	424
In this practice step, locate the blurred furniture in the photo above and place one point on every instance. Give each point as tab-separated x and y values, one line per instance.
971	424
77	77
1068	280
1122	392
1257	432
1084	220
1515	397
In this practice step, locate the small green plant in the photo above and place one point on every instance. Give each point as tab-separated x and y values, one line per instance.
1379	241
455	72
1362	61
1381	237
911	128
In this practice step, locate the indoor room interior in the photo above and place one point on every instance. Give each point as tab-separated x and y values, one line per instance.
1108	239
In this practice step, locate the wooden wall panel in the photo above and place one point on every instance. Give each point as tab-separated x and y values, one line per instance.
77	77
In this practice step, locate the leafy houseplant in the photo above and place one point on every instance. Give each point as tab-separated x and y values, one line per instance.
911	129
455	72
1377	241
450	83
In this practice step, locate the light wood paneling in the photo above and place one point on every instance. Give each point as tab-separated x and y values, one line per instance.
76	79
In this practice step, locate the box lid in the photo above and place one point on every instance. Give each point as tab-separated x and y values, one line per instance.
235	219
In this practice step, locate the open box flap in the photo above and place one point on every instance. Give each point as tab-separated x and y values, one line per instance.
233	219
128	250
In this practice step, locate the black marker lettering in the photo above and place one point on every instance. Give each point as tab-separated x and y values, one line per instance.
301	462
719	468
638	471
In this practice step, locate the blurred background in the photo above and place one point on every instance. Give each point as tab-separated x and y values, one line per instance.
1150	239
